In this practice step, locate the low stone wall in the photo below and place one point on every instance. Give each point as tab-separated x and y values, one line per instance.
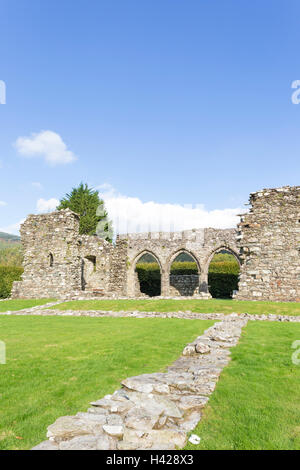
184	285
152	411
43	311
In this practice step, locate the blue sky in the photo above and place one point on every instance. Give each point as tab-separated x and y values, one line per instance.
160	103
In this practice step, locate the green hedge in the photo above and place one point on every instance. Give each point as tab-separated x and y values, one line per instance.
149	277
222	285
222	276
225	267
184	267
8	274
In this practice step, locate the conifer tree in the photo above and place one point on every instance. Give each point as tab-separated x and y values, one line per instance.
86	202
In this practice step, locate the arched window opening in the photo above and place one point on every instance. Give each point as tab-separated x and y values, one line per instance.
51	260
148	275
184	275
223	274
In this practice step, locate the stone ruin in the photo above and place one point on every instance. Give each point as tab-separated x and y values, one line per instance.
269	240
61	263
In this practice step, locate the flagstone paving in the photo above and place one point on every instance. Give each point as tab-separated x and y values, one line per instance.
152	411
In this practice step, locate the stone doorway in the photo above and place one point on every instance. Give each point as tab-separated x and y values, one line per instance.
88	270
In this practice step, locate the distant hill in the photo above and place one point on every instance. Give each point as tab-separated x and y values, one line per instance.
11	253
9	238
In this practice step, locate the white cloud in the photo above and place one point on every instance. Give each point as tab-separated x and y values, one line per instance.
42	205
130	214
37	185
3	203
47	145
13	228
49	205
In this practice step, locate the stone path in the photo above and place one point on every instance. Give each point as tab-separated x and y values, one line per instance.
31	310
43	311
152	411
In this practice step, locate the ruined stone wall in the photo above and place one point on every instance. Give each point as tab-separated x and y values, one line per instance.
60	263
51	256
95	254
201	244
269	239
118	269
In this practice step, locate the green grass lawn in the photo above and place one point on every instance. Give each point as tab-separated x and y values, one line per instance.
19	304
256	404
57	365
194	305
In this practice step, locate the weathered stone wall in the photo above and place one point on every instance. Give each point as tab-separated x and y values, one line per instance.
118	269
95	254
200	244
184	285
269	240
51	255
59	262
63	264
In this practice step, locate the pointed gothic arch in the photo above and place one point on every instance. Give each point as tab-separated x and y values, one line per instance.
147	274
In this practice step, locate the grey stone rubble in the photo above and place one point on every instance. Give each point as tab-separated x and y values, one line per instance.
188	315
152	411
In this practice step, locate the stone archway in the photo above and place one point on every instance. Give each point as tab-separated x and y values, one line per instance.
209	279
139	285
185	280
